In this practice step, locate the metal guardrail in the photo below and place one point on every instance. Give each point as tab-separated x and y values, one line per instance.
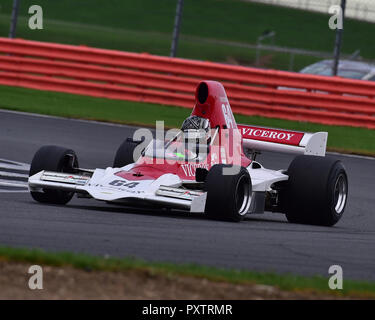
171	81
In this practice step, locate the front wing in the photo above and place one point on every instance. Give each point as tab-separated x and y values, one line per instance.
81	184
166	191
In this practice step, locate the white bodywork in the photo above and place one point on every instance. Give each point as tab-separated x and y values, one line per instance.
311	144
165	190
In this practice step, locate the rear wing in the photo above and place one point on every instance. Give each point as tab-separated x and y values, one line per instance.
285	141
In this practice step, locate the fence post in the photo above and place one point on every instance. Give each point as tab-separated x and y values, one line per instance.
291	62
13	22
338	41
177	24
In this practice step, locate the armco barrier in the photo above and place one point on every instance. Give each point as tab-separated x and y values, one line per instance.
171	81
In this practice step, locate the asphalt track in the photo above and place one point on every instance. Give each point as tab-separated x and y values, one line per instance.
262	242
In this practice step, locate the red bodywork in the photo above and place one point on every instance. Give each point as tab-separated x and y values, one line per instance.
211	102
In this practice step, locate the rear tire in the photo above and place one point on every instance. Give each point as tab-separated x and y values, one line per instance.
125	153
316	191
228	196
57	159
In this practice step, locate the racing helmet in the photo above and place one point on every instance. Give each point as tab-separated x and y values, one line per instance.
197	136
197	128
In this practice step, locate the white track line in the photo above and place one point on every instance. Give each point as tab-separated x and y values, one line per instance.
13	175
8	183
8	175
8	164
36	115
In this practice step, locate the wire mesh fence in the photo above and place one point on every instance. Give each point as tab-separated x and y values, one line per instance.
236	32
356	9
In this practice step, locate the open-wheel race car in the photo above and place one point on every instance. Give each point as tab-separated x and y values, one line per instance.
209	166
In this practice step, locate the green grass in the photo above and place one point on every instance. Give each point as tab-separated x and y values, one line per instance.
345	139
220	19
152	42
146	26
283	281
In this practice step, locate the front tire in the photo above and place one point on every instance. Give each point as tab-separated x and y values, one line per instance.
56	159
316	192
228	196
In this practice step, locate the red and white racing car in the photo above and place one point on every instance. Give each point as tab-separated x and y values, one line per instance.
203	168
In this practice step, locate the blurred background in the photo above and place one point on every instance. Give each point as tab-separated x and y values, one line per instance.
277	34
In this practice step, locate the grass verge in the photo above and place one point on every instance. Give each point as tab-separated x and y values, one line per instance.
342	139
155	43
285	282
234	20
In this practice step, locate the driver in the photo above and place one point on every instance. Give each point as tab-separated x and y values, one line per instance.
197	124
196	132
